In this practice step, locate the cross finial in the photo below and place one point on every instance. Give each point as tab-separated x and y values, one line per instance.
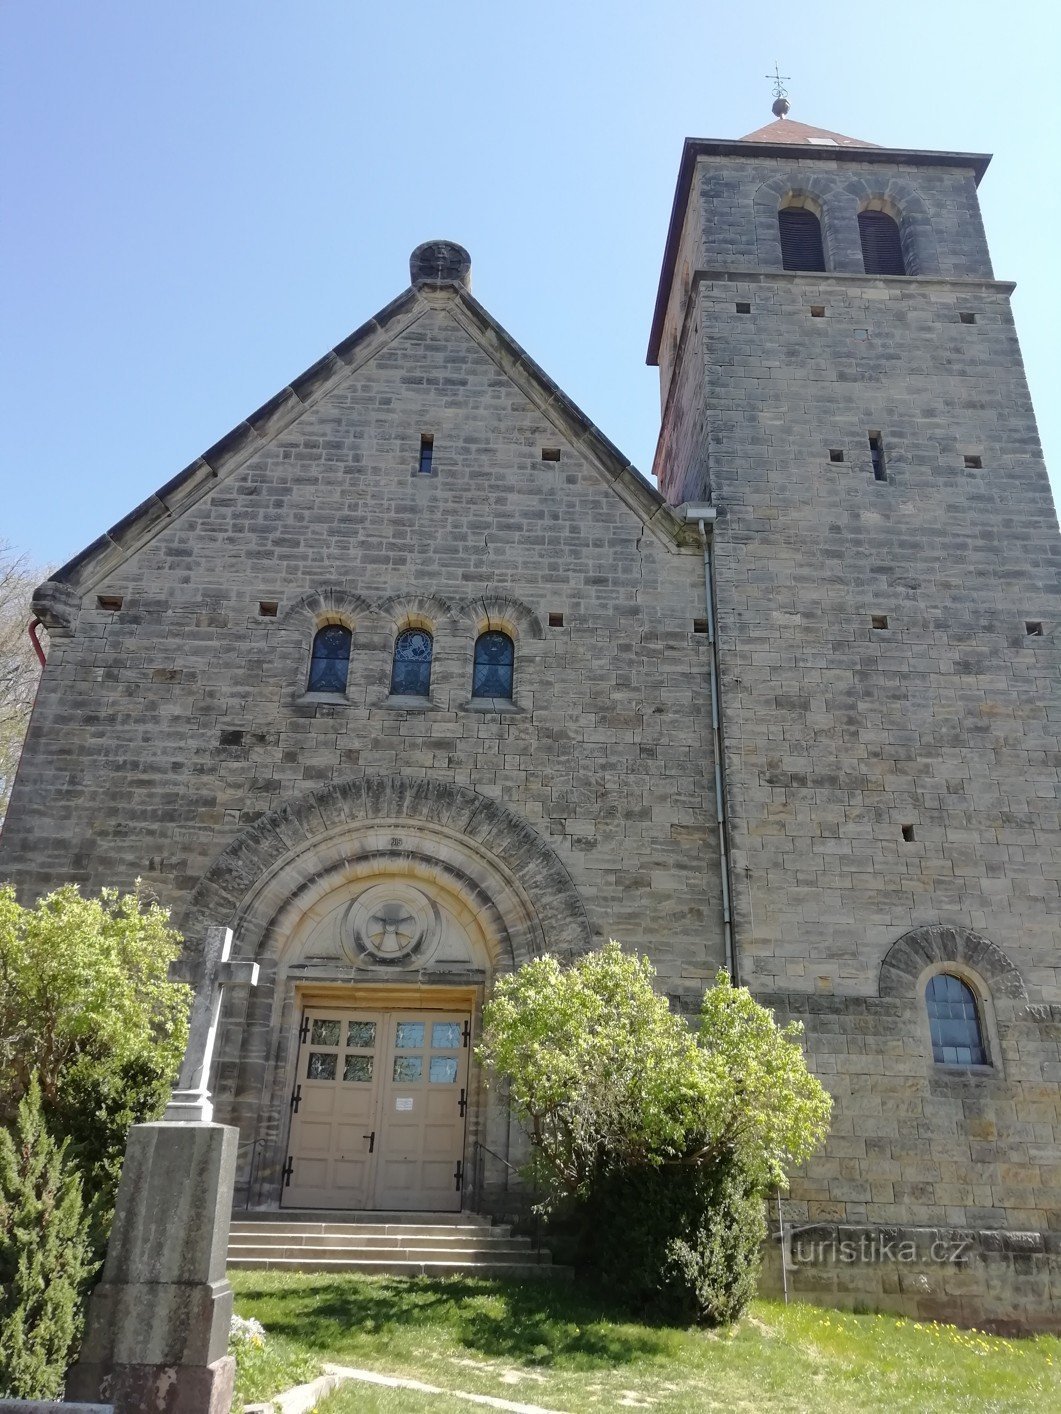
780	104
207	974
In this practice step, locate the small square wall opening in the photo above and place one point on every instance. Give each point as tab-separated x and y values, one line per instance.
550	454
973	463
699	625
908	833
879	621
267	608
817	311
744	306
556	620
1033	628
836	454
967	317
111	602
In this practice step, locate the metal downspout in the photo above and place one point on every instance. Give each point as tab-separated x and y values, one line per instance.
704	515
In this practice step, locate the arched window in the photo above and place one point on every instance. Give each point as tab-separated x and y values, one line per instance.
330	662
882	250
801	239
495	657
411	671
954	1021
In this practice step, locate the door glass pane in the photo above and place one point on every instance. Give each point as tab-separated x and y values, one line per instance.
321	1065
443	1070
409	1035
357	1068
362	1034
408	1067
445	1036
325	1033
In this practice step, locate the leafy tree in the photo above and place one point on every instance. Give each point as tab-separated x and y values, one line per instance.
19	669
86	1011
45	1256
665	1137
604	1076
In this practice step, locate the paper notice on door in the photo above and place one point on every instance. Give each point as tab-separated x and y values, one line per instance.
403	1102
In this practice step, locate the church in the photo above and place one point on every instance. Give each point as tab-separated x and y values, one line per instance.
413	677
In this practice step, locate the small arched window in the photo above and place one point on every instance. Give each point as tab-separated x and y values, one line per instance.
411	670
330	662
882	250
495	657
801	239
954	1021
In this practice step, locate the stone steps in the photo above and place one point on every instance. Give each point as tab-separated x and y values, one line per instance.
407	1244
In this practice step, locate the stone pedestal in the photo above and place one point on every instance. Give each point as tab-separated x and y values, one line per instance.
158	1322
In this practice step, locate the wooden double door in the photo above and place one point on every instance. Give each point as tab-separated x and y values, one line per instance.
378	1111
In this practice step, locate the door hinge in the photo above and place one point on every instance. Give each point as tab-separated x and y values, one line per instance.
303	1031
467	1033
458	1176
287	1170
462	1104
296	1098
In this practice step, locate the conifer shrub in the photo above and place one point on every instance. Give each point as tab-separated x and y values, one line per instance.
45	1256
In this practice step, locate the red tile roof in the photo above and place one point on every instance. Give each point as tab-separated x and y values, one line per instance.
785	130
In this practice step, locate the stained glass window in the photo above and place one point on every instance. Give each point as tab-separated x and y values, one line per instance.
954	1021
331	660
495	656
411	673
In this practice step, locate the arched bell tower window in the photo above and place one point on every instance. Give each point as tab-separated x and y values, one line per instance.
882	250
495	658
330	660
801	239
411	669
954	1022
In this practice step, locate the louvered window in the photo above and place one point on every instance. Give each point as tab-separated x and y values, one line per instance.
882	250
954	1020
411	670
495	656
330	663
801	239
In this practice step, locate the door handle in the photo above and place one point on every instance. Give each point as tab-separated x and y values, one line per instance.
371	1140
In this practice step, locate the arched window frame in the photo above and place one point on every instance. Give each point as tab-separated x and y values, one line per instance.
881	205
985	1015
803	202
397	689
313	674
482	698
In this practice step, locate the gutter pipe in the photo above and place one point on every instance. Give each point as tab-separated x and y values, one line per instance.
704	516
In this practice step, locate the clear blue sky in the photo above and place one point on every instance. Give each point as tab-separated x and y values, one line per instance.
200	198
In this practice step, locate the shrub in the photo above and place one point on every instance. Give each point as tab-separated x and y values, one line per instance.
45	1256
87	1011
666	1137
682	1241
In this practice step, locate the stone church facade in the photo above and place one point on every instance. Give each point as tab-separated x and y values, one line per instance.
413	676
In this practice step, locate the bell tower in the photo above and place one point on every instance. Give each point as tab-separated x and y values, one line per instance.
840	378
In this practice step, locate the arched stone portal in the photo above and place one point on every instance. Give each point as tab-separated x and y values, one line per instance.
376	902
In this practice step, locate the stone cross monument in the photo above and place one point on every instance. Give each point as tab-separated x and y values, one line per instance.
157	1334
207	975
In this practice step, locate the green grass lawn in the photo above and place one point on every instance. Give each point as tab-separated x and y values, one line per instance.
565	1349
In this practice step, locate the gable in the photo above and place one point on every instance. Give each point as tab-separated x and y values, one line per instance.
332	387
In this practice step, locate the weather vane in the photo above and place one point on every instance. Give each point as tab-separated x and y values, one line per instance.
780	104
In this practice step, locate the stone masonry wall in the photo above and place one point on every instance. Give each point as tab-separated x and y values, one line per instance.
166	727
882	667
